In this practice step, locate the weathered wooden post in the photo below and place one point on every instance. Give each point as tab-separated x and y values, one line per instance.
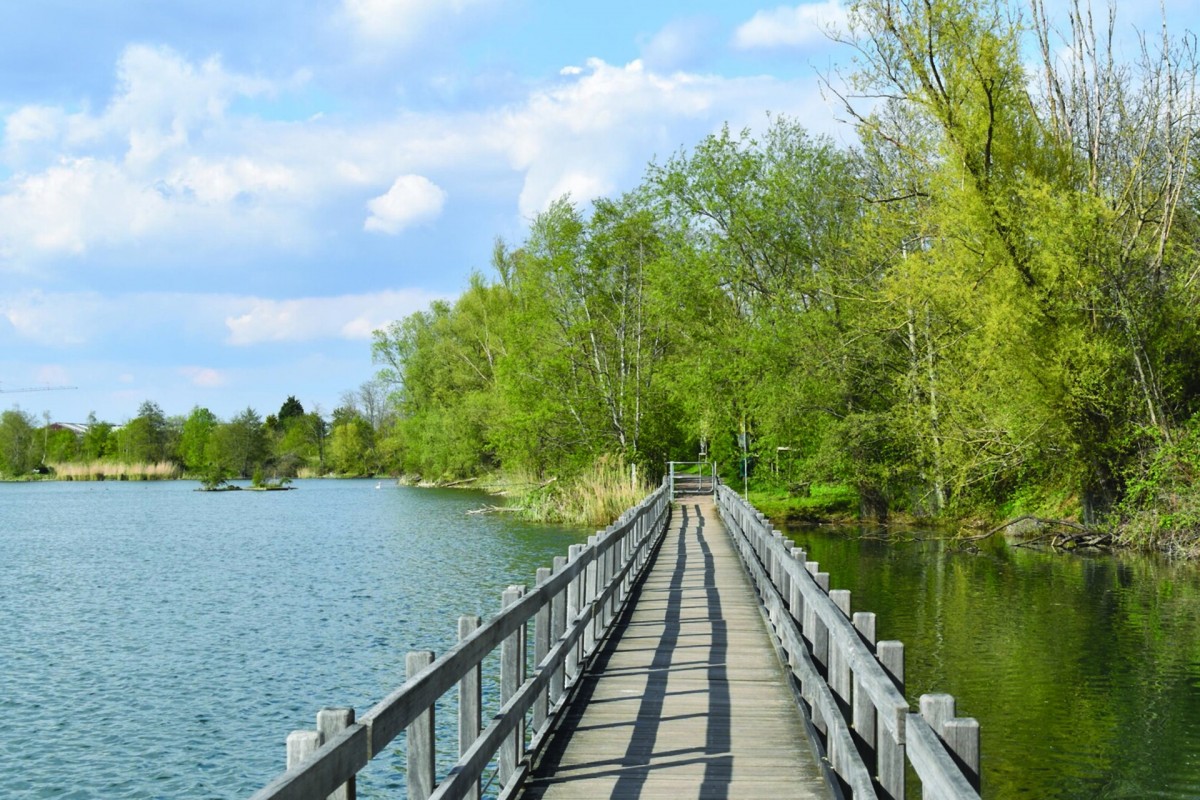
783	579
512	675
470	700
574	604
863	712
796	596
820	640
331	722
889	752
301	745
610	572
541	646
809	624
839	668
590	591
937	709
558	626
421	779
961	736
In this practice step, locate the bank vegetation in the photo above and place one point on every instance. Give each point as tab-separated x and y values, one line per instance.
984	310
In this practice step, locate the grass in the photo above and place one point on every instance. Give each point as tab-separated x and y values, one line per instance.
116	471
592	498
823	503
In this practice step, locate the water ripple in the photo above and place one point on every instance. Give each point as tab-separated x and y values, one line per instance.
161	643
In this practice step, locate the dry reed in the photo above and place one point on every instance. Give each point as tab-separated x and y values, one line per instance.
594	498
116	471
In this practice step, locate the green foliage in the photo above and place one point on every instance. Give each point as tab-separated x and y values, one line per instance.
240	445
819	503
1162	497
214	477
193	440
17	442
145	438
987	306
290	410
981	309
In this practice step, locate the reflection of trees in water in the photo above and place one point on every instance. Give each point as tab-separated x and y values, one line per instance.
1080	668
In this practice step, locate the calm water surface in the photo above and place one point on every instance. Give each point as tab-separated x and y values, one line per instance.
157	642
1083	670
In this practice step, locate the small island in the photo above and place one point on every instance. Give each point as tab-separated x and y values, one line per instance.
217	480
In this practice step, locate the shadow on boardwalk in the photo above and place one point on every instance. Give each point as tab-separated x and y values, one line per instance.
686	698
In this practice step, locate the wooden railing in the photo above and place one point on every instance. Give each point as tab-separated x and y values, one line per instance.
569	610
852	685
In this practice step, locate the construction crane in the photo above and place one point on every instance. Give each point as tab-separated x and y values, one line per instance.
36	389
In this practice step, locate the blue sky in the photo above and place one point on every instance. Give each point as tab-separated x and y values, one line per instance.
214	203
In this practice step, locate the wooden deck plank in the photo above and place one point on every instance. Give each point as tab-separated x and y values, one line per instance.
687	698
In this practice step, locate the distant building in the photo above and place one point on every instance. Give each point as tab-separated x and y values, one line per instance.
77	428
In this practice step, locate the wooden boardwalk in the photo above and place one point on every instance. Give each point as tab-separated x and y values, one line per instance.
687	698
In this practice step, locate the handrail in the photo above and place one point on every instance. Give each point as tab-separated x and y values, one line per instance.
570	608
852	685
707	473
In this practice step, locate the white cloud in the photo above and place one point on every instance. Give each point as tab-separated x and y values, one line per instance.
182	168
680	44
305	319
594	132
76	319
791	26
39	317
411	200
205	377
143	168
403	22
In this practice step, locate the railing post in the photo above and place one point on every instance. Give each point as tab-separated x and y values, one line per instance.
863	714
420	740
783	579
589	596
890	753
470	700
301	745
937	709
961	736
796	596
512	675
574	603
839	670
331	722
614	550
541	646
558	626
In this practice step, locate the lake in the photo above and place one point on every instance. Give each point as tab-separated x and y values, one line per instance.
158	642
1082	669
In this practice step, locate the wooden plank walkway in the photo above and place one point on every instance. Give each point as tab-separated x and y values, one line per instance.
687	698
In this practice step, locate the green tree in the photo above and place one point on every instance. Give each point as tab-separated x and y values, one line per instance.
239	445
17	442
290	410
97	440
196	432
145	438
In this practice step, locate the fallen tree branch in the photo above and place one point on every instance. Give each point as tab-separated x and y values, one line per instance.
1040	522
489	509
